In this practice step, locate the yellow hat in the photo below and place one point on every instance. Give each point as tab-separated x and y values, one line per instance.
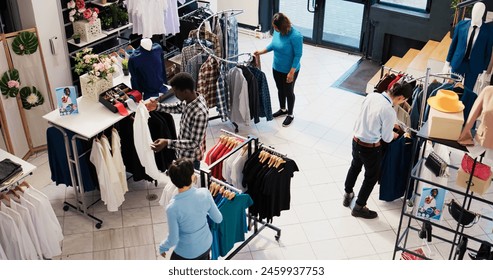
446	101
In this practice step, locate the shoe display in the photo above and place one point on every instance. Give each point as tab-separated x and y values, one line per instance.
280	113
348	197
363	212
287	121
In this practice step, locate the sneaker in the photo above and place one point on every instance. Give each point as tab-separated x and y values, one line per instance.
287	121
280	113
348	197
363	212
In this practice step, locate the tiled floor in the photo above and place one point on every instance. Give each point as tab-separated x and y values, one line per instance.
316	227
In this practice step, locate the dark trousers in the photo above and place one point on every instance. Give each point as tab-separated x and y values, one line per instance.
371	159
196	164
285	91
204	256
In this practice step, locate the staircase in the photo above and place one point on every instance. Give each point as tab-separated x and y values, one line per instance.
415	62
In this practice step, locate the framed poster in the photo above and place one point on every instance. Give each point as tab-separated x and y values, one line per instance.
67	100
431	203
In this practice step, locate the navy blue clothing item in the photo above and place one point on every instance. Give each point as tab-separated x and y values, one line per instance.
57	158
396	163
265	108
468	98
148	71
446	86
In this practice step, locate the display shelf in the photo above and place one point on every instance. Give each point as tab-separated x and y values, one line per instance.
83	44
423	133
118	29
27	168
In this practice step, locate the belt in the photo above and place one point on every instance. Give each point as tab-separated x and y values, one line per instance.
364	144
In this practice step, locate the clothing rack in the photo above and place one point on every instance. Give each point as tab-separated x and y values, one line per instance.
207	177
224	184
77	184
449	76
271	150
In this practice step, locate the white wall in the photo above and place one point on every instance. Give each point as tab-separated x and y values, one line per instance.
249	7
46	16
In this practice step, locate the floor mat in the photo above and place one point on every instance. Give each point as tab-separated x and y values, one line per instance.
356	78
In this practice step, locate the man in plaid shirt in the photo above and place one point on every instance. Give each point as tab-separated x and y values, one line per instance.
193	123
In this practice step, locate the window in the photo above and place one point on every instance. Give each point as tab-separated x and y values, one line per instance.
421	5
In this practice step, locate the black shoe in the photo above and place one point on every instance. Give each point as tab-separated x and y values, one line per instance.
348	197
461	248
280	113
287	121
363	212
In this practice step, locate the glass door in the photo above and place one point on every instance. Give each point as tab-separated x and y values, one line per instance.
337	23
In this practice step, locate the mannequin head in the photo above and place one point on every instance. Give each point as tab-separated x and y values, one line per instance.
146	43
477	13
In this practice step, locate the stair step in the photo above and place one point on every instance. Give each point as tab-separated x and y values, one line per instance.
391	64
439	55
406	60
417	67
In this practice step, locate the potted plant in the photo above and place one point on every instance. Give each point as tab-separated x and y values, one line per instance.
76	38
125	66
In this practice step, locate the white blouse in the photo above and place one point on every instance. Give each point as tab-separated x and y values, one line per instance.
25	243
27	219
115	192
9	237
118	160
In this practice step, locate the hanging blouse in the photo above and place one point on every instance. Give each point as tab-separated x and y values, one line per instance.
3	256
118	160
10	237
115	194
26	245
27	219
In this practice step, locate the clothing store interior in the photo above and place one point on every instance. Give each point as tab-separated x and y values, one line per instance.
246	130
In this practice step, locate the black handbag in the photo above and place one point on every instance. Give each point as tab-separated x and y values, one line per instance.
436	164
468	218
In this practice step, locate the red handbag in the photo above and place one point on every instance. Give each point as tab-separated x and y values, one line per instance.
481	170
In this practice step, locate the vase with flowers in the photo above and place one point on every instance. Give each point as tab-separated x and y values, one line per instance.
95	73
84	20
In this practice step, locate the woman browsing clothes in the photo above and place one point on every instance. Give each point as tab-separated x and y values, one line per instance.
287	44
187	216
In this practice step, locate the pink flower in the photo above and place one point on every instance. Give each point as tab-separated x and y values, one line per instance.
80	4
96	10
87	14
13	84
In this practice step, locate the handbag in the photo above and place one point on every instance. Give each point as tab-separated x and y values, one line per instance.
436	164
468	218
481	170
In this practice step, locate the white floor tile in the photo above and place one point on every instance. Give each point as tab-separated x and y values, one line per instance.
329	191
328	250
335	209
309	212
346	226
382	241
357	246
137	217
319	230
138	235
268	254
292	235
135	199
298	252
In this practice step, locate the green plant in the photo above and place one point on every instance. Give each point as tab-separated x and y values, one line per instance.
76	36
122	16
125	64
106	22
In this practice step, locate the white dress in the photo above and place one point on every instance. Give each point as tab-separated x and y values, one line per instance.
26	244
143	141
27	219
115	191
48	237
9	237
118	160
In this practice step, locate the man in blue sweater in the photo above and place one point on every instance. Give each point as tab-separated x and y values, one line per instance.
287	44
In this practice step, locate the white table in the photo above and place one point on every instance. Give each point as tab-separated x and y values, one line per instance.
93	118
27	168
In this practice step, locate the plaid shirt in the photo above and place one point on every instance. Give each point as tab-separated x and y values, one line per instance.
208	74
193	125
209	36
222	95
264	94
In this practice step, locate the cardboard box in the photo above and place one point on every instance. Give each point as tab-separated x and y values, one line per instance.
477	185
445	125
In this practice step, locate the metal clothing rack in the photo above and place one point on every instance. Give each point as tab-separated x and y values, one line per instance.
75	176
227	60
207	177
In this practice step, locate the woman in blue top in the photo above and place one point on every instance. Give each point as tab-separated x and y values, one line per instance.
187	216
287	44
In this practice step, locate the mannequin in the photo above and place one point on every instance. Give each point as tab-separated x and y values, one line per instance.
472	61
147	69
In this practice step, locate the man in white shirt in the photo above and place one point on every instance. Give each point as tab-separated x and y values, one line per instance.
375	123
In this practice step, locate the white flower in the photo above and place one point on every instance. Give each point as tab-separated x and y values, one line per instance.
82	10
98	74
32	98
72	19
72	13
71	4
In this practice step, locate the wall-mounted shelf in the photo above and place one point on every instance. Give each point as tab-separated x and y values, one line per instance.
98	3
115	30
83	44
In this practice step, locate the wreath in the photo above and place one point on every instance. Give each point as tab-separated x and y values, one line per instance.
25	43
31	97
10	83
